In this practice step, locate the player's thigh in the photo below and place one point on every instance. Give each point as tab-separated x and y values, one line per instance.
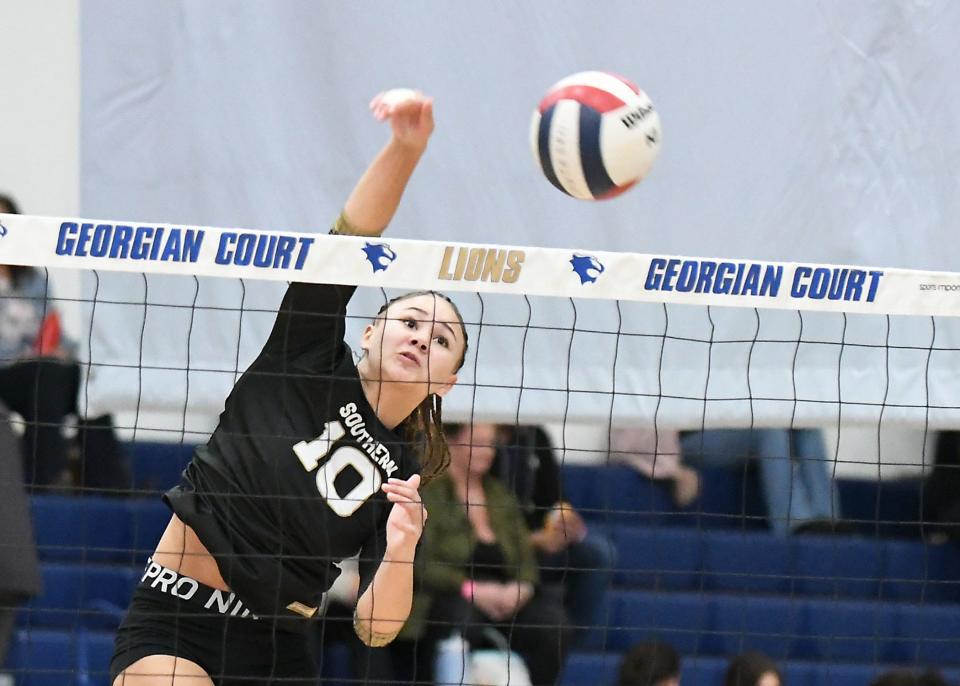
163	670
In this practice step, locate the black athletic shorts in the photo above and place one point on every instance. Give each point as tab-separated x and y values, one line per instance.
172	614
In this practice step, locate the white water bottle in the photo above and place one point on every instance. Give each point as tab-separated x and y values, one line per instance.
452	664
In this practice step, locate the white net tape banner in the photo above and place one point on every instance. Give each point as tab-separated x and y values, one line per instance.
398	263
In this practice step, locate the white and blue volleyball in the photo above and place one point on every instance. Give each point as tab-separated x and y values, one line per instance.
595	135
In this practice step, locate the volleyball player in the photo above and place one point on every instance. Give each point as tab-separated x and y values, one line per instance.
313	459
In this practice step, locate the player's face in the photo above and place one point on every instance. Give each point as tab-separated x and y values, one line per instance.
473	450
418	340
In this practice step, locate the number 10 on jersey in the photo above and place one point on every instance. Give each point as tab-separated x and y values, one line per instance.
311	453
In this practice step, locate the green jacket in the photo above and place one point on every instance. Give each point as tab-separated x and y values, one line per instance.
448	540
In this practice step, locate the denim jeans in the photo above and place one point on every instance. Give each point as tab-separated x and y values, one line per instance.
585	571
793	467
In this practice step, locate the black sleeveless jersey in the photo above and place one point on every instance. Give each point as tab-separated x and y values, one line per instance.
289	483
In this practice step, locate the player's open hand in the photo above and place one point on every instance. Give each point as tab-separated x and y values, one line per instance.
408	514
409	112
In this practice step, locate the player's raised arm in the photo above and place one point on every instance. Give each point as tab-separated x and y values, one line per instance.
311	315
376	196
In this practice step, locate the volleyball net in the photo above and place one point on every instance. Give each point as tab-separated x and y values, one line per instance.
637	366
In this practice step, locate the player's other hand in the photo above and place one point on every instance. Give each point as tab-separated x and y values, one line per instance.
408	514
410	114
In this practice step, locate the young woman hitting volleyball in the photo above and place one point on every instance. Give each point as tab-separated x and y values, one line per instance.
313	459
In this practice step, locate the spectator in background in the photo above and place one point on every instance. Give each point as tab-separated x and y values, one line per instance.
40	380
573	559
19	569
656	455
753	669
941	491
797	485
650	663
908	678
477	565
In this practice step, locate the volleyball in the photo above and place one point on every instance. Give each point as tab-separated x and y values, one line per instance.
595	135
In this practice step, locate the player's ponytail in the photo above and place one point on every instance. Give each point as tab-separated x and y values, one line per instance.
424	430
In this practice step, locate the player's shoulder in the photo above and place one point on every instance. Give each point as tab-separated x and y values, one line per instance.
337	363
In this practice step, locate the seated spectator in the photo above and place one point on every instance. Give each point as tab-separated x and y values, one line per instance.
573	559
656	455
797	485
908	678
477	567
19	569
650	663
40	380
753	669
941	490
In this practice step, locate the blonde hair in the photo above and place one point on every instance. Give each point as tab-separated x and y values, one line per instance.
423	428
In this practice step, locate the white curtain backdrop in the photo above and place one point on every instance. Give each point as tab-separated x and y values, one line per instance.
794	130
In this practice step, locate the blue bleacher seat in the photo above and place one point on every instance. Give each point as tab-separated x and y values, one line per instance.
703	670
847	630
90	595
580	488
618	494
146	521
88	529
156	466
598	637
843	674
746	561
591	669
93	529
885	508
666	558
94	651
677	618
728	498
601	669
929	635
915	571
43	657
786	627
799	673
836	566
738	624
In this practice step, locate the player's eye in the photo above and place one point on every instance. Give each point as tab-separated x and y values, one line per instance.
442	340
410	323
